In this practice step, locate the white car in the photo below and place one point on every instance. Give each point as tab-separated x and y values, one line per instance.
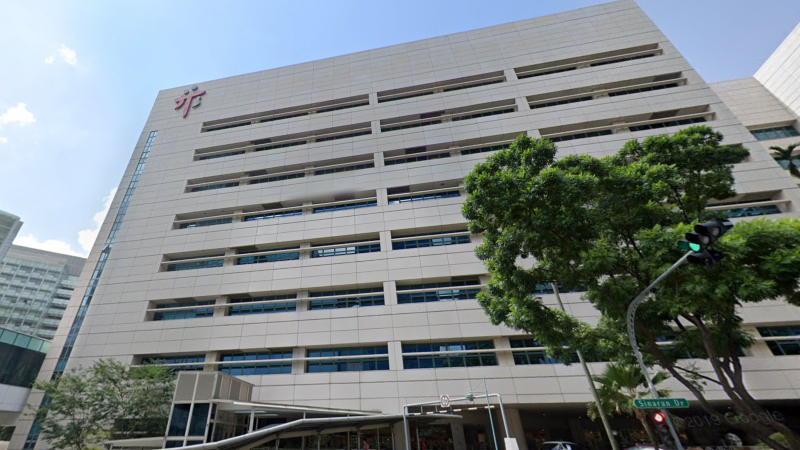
560	445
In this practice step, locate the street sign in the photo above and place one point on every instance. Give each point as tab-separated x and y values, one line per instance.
661	403
444	400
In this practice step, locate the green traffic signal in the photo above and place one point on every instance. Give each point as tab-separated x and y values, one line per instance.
686	245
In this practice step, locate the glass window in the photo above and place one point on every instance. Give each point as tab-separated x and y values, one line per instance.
671	123
411	361
278	178
431	242
187	359
372	358
206	223
767	134
186	313
197	426
177	267
243	308
786	346
346	250
212	187
422	197
438	295
751	211
356	205
245	363
368	165
180	417
295	212
348	302
274	257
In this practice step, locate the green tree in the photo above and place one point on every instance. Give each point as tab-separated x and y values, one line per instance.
611	225
108	400
619	385
786	153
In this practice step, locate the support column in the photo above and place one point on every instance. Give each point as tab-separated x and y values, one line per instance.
399	436
389	293
515	427
298	366
459	441
386	240
522	104
302	305
220	312
376	126
381	196
511	75
395	355
211	357
378	157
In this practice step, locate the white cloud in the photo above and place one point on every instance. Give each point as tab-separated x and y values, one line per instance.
50	245
18	114
50	59
3	140
87	237
68	55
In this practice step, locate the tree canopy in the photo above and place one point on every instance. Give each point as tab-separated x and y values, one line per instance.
611	225
108	400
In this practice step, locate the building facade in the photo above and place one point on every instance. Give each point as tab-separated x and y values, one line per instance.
9	227
21	357
300	229
35	288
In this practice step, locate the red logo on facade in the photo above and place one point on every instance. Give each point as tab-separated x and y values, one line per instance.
185	101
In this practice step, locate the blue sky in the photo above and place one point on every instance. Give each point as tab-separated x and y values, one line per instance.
77	80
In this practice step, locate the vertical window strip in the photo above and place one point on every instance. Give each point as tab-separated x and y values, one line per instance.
66	351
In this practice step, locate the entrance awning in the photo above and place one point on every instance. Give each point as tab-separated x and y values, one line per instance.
323	425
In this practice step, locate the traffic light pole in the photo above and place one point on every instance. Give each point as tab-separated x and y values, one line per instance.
632	335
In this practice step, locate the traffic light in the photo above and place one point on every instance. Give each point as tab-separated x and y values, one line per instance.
663	430
699	240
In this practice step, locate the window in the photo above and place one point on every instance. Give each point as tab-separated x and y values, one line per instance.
767	134
180	417
206	223
783	162
243	308
221	155
346	206
571	137
484	114
643	89
594	60
368	165
273	257
410	159
353	359
347	302
560	102
431	241
211	187
783	346
751	211
490	148
257	363
184	313
454	290
264	216
278	178
187	359
472	359
177	267
671	123
346	249
280	145
547	288
442	86
421	197
526	357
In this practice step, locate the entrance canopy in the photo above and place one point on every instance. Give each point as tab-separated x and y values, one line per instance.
308	427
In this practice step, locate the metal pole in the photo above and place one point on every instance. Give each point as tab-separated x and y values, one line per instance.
592	387
489	408
406	436
632	335
503	414
419	446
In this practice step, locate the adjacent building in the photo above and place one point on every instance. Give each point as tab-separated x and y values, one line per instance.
299	229
21	357
9	227
768	104
35	288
